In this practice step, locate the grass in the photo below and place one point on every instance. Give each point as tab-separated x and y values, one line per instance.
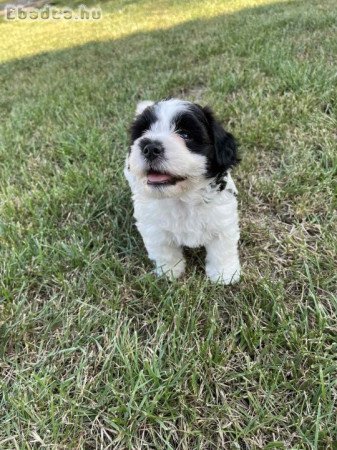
95	353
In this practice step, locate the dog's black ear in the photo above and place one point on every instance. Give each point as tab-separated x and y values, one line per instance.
225	146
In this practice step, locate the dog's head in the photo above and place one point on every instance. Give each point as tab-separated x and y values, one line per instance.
176	146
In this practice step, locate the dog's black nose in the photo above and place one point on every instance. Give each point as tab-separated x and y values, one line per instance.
152	150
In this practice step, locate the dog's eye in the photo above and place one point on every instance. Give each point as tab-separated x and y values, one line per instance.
185	135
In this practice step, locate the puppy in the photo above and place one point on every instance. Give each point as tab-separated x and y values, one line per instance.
178	169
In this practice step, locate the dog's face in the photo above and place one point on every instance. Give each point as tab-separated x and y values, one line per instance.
176	146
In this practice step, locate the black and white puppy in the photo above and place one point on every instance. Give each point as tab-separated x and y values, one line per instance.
178	169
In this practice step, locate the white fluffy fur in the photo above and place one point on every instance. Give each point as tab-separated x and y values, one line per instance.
191	213
142	105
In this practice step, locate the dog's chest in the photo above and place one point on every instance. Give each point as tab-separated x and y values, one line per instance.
190	224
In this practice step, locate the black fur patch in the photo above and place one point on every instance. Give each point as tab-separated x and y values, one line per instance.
191	124
220	182
204	135
224	155
192	127
142	123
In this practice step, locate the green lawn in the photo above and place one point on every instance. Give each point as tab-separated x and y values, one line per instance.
95	353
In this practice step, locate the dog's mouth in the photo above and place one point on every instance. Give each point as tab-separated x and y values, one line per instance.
155	178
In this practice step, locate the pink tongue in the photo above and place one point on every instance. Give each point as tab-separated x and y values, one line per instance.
158	177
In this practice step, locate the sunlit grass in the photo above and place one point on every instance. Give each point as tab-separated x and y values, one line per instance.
120	18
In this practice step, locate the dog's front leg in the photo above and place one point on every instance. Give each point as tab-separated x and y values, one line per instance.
168	256
222	260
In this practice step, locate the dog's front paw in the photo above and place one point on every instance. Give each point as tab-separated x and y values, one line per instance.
171	271
223	275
